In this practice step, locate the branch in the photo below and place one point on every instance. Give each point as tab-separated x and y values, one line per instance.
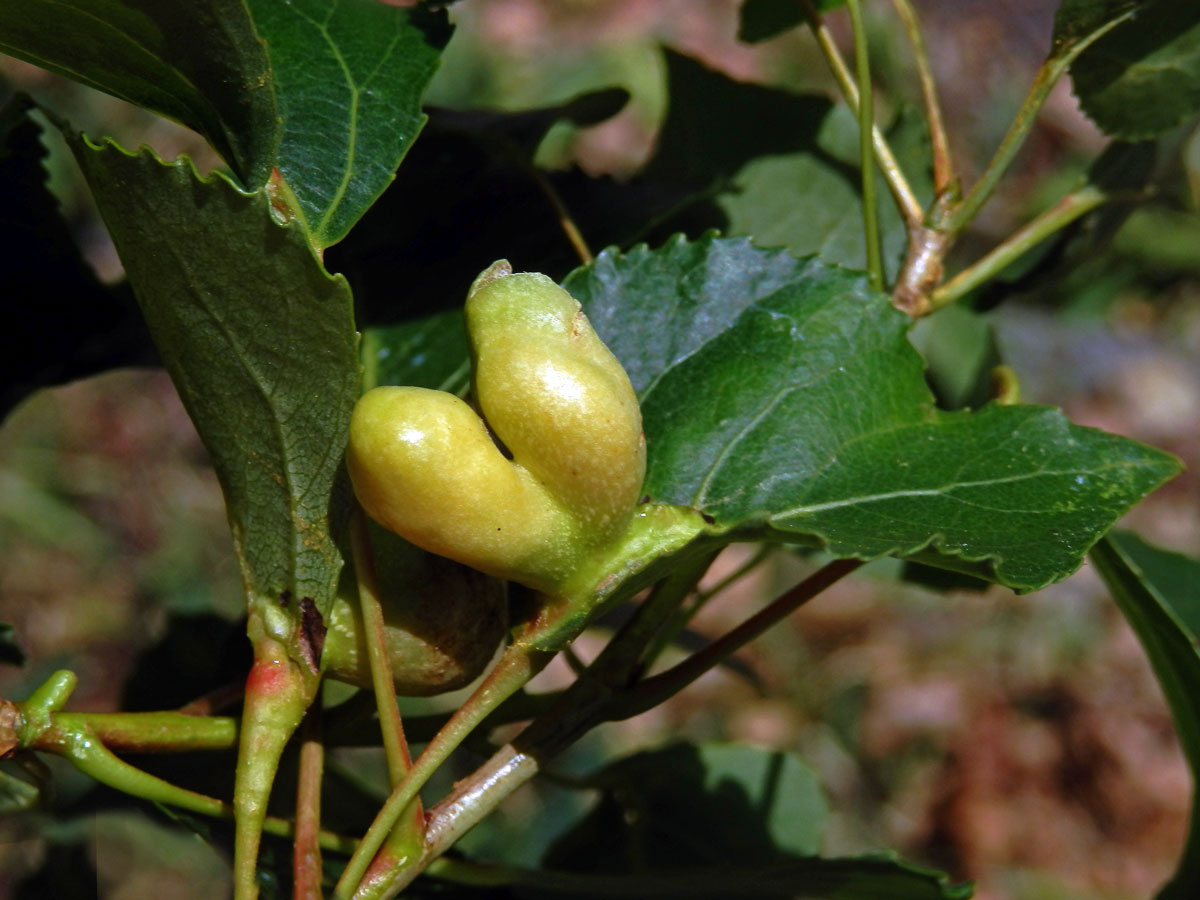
906	200
653	691
593	698
1064	212
866	131
1047	76
943	167
306	847
518	664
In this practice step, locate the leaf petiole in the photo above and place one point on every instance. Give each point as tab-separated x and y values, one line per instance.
906	200
306	847
518	664
601	694
866	131
649	693
943	166
1067	210
1047	76
80	739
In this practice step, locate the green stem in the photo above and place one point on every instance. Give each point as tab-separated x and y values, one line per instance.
518	664
153	732
375	636
655	690
574	712
277	695
348	725
520	158
943	166
906	200
1047	76
475	797
68	735
866	131
565	222
405	840
629	652
1021	241
219	698
559	620
473	800
591	699
89	755
583	704
48	698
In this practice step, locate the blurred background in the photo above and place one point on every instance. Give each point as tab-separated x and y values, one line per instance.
1021	742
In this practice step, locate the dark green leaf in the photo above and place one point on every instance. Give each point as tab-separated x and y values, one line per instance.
1142	583
349	77
1076	265
782	398
11	653
1077	20
707	804
473	179
808	199
472	176
1142	78
718	820
430	352
61	323
260	342
201	64
761	20
524	130
715	125
1173	578
679	297
959	348
1161	239
941	579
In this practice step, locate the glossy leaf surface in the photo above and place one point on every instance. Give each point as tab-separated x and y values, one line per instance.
782	398
349	77
201	64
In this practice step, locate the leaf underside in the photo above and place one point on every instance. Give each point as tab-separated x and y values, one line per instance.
260	342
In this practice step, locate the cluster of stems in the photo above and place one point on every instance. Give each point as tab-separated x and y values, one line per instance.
406	839
920	287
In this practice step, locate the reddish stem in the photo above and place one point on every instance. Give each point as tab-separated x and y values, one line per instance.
306	848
